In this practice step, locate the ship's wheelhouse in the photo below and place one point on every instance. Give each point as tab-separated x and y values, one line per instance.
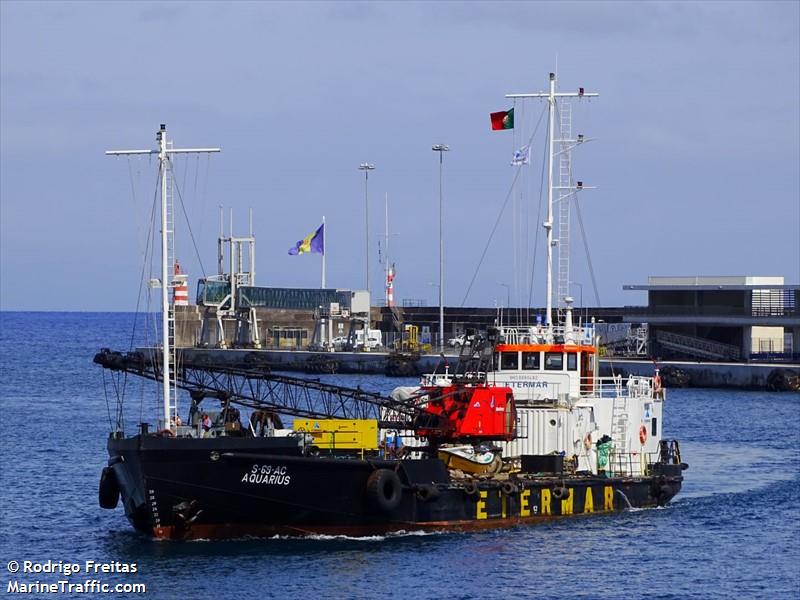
545	371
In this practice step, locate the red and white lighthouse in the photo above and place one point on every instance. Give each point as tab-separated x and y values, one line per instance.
390	286
180	291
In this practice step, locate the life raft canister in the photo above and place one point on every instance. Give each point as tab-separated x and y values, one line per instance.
642	434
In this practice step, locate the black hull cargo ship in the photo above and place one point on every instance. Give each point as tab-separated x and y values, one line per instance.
521	431
338	473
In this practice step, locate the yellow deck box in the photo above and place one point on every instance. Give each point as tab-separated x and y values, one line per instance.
341	434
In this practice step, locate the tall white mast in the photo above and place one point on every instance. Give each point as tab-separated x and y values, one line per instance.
166	282
552	97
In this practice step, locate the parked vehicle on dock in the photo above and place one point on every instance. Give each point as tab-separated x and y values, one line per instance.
458	341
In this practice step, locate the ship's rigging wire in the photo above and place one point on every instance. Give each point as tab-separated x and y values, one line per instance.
538	220
588	255
119	383
108	405
150	242
515	214
574	195
499	217
120	387
188	224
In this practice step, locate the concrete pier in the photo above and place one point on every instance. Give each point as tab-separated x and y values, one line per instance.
703	374
698	374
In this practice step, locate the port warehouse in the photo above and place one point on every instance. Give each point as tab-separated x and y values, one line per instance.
728	319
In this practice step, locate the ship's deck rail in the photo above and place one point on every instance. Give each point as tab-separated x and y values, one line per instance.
630	464
555	392
541	334
634	386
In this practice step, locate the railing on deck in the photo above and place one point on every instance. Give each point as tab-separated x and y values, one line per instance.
630	464
634	386
538	334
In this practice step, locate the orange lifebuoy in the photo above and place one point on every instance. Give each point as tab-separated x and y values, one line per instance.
587	441
642	434
657	384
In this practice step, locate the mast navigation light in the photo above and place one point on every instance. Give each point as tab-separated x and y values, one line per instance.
580	185
580	138
580	91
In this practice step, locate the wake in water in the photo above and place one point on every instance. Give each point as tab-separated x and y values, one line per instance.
721	468
320	537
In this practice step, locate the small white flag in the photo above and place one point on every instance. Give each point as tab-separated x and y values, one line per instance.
521	156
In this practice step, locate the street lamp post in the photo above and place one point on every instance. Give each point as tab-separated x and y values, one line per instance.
441	149
366	167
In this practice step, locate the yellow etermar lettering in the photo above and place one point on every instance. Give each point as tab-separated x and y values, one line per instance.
588	504
525	503
566	503
608	498
545	494
480	509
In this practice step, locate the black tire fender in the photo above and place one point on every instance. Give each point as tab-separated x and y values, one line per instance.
665	494
109	489
427	492
471	488
509	488
560	493
384	489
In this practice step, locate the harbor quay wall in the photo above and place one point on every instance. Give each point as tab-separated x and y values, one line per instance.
702	374
365	363
280	335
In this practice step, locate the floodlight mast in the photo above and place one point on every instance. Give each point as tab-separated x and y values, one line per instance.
167	319
551	97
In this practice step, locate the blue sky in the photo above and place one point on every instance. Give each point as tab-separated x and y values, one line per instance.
695	158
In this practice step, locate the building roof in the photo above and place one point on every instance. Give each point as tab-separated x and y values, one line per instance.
702	283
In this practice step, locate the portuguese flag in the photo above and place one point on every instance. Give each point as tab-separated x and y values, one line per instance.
502	120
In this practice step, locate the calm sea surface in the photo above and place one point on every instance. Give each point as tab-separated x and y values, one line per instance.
734	531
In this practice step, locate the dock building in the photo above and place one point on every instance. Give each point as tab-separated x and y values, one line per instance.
720	318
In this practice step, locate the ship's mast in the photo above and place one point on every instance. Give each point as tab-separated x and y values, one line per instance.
167	233
552	97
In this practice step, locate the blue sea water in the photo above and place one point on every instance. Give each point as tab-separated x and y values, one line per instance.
732	532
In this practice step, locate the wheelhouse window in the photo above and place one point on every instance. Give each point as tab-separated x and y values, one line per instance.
554	361
572	361
531	361
509	361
